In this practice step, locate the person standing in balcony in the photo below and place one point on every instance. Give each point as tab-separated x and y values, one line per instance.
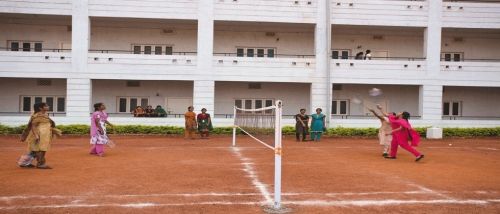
39	134
190	123
368	55
204	123
318	125
301	125
98	134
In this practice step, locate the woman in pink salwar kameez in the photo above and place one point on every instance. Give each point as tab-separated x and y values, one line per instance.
98	135
402	132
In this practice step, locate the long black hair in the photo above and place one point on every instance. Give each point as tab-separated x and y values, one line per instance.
97	106
38	106
406	115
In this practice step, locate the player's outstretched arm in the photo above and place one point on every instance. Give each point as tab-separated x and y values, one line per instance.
379	107
376	115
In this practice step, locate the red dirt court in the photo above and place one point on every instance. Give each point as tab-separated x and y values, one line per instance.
158	174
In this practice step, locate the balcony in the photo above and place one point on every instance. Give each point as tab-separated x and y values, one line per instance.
303	11
105	64
378	70
376	12
280	68
50	63
471	14
472	72
176	9
47	7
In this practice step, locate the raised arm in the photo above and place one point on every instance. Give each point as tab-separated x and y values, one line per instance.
376	115
385	114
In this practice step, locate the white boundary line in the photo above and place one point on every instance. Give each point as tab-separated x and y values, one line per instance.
248	168
339	203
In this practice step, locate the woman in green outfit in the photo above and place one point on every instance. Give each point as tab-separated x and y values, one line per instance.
318	125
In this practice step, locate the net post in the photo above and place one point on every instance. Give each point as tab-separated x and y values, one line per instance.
277	156
234	126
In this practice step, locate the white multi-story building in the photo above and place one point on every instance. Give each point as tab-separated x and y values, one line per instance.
439	60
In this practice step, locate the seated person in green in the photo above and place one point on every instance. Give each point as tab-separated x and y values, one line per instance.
160	112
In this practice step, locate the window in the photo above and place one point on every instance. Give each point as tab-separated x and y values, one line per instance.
339	107
341	54
453	108
133	83
55	103
256	52
27	46
38	47
149	49
455	57
158	50
128	104
254	104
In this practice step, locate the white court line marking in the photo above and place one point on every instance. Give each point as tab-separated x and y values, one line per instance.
342	203
430	191
486	148
248	168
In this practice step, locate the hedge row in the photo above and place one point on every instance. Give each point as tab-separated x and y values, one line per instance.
288	130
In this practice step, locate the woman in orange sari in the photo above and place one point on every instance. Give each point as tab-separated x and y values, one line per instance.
191	124
39	135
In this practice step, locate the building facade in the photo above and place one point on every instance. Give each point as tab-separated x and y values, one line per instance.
439	60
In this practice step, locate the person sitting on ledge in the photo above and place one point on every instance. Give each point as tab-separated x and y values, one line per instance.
150	112
160	112
138	112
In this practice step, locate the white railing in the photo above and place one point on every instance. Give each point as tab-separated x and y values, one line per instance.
175	9
475	67
34	64
471	14
49	7
379	12
300	11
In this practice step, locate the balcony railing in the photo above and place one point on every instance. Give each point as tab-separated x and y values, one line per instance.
152	52
404	58
471	117
471	14
21	49
364	117
266	55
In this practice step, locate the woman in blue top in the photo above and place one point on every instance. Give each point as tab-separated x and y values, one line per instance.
317	125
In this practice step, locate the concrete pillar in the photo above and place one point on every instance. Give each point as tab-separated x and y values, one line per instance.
432	38
204	89
321	88
79	89
431	102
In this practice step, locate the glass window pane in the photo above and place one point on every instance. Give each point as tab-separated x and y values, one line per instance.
334	107
38	100
26	103
14	46
147	49
345	54
260	52
157	50
61	103
270	53
237	103
456	57
240	52
456	108
269	103
343	107
122	106
258	104
137	49
26	46
249	52
144	102
447	57
248	104
133	103
168	50
335	54
446	108
38	47
50	103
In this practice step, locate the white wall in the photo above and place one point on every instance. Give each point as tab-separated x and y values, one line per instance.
13	88
398	97
51	30
119	34
294	39
476	101
476	44
294	95
398	41
107	91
